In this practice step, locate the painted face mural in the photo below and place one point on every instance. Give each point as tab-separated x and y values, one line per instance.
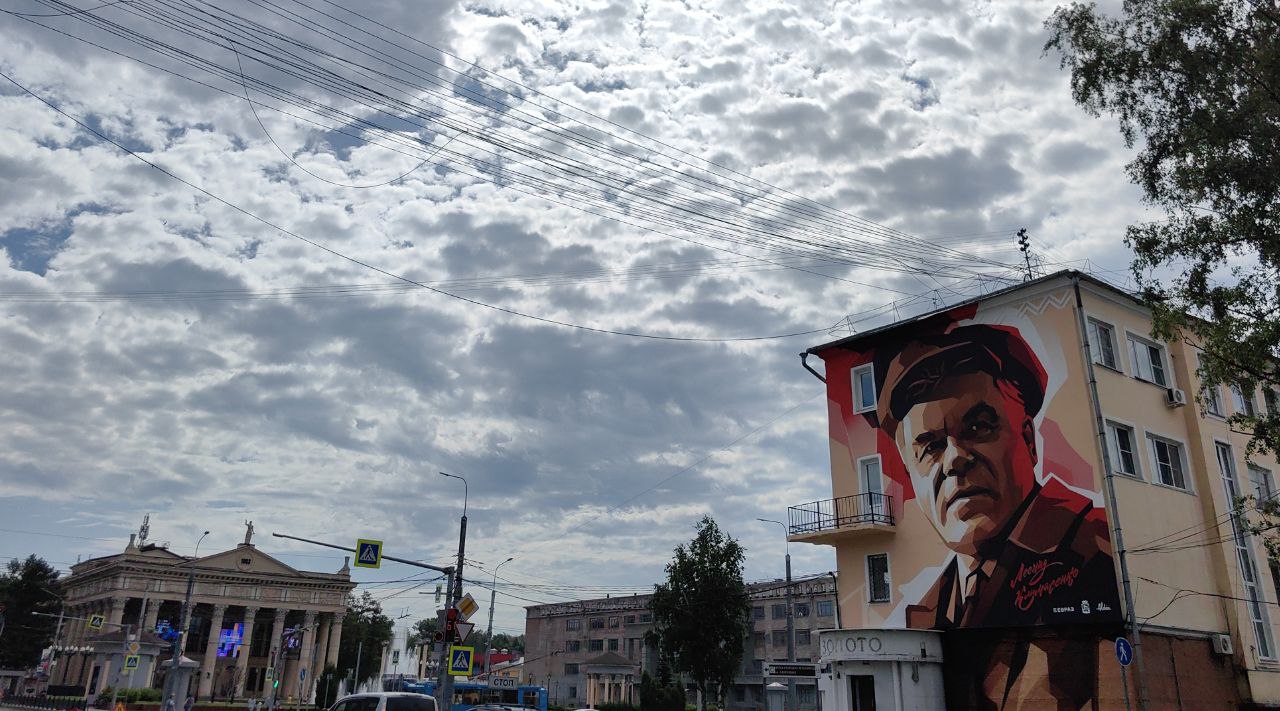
965	423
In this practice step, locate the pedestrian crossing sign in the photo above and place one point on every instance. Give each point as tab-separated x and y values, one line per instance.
96	622
460	659
368	553
131	661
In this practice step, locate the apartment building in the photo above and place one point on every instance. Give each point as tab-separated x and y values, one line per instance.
590	652
1021	479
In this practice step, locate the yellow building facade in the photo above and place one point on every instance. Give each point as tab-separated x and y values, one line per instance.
1031	475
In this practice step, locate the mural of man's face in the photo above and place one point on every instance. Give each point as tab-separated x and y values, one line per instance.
971	452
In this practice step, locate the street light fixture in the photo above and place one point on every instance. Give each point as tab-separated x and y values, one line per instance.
180	637
465	490
791	636
493	594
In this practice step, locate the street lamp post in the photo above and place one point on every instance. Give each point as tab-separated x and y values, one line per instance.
180	637
445	698
488	636
791	636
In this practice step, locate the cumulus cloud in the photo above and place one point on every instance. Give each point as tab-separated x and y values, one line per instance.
199	365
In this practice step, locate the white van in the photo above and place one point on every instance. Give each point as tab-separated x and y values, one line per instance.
385	701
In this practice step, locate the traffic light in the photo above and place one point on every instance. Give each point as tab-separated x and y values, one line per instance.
275	684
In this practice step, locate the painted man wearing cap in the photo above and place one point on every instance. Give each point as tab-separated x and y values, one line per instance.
961	407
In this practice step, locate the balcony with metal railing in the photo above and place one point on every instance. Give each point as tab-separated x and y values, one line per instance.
829	520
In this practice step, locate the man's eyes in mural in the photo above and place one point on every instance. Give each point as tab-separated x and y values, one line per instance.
980	422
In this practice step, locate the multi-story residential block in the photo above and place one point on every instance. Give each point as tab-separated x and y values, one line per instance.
1021	479
594	651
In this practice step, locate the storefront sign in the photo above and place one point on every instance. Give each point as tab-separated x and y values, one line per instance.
880	645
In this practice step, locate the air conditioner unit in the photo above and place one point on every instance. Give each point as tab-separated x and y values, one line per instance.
1174	397
1222	644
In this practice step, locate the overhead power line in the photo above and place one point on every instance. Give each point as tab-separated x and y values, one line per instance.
393	275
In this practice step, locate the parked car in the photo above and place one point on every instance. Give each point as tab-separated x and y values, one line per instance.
385	701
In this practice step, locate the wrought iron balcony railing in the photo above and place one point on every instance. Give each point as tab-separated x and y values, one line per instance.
832	514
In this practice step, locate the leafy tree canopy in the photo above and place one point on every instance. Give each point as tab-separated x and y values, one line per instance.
1195	85
700	613
26	587
363	623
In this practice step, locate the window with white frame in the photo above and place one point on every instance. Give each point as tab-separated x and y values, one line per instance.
1148	361
1211	395
1102	343
1242	401
1122	449
1254	599
878	577
1260	480
1168	461
864	388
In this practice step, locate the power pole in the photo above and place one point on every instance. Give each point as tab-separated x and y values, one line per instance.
791	640
1024	246
444	699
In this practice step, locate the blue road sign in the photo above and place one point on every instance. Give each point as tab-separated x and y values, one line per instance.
302	674
460	659
1124	651
368	553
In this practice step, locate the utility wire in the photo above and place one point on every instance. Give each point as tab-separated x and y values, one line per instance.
393	275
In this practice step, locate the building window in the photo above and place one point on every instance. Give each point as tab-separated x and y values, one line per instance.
801	609
573	645
802	637
779	611
739	693
1242	401
826	608
572	625
569	670
757	666
1210	394
1166	456
757	612
1102	343
613	644
573	692
1263	486
779	638
1123	453
629	620
878	577
613	622
757	639
595	645
597	623
864	388
807	693
1148	361
1272	401
1255	601
646	617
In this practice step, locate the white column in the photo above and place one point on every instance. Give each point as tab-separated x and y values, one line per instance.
242	662
209	665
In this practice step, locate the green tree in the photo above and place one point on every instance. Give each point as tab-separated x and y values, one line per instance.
422	631
502	640
27	587
700	613
364	629
1195	84
656	695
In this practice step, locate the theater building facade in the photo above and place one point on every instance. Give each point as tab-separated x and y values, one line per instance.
249	613
1018	481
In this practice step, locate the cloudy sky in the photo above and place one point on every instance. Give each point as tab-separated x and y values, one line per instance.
693	170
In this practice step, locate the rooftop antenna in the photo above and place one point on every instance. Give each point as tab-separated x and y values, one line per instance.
145	529
1024	246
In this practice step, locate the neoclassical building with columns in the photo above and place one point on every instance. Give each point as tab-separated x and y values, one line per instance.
248	611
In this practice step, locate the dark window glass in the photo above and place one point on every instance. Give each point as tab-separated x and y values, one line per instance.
410	703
